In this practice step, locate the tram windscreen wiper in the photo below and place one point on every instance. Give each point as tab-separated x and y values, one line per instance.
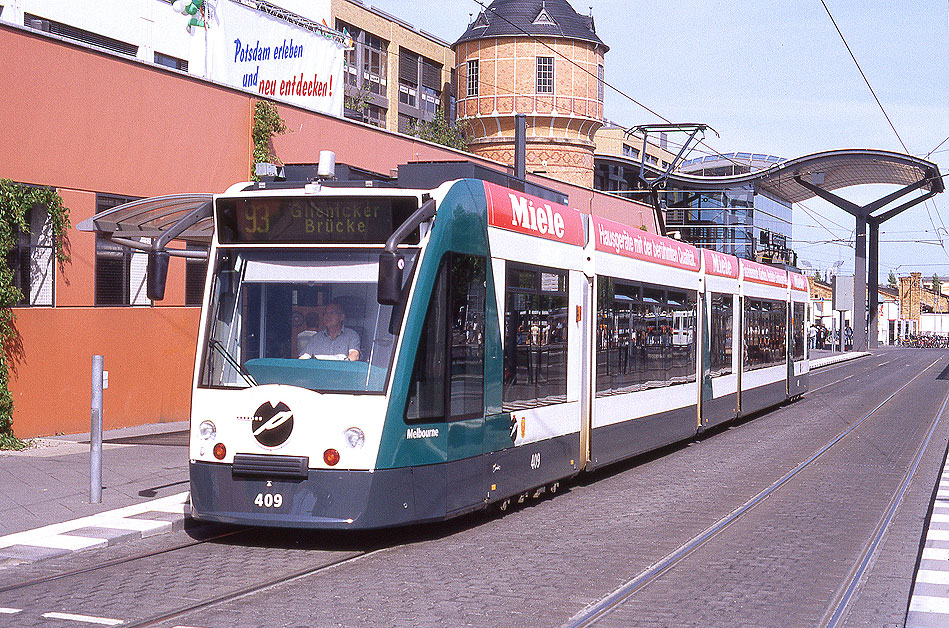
217	344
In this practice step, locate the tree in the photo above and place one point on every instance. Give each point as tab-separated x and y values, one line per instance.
892	279
439	131
16	201
266	124
937	285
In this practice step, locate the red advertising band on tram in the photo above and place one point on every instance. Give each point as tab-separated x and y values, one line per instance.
799	282
720	264
613	237
523	213
763	274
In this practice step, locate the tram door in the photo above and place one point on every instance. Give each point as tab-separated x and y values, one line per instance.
587	317
464	280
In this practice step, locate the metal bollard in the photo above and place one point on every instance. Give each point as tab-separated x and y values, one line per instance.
95	434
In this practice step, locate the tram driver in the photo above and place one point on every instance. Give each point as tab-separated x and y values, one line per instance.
334	340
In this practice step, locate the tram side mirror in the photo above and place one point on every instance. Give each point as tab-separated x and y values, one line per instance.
157	275
391	265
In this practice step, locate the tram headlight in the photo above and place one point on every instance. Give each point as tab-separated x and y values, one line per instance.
355	437
207	430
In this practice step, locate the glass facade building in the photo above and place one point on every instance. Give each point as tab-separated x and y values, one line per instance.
736	221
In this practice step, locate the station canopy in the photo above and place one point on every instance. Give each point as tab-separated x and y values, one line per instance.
184	217
831	170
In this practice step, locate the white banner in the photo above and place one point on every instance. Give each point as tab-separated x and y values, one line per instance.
252	50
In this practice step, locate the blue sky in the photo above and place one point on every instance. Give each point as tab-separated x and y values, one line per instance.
775	77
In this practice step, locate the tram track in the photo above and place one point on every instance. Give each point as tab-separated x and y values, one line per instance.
115	562
602	608
246	591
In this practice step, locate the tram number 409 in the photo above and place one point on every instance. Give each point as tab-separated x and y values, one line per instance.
268	500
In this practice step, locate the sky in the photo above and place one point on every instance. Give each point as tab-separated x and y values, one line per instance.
776	78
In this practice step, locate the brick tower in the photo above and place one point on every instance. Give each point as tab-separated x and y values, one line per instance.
542	59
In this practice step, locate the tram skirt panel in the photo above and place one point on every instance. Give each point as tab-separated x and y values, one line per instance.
625	439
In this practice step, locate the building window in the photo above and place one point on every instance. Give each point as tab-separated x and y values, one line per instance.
32	260
375	64
406	123
419	85
195	272
545	75
535	337
365	71
120	271
408	77
600	82
472	84
375	115
77	34
171	62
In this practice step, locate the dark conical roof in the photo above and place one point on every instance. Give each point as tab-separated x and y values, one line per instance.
546	18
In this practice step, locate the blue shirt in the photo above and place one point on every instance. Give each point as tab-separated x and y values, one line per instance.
321	343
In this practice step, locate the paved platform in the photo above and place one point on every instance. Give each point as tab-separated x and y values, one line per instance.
45	510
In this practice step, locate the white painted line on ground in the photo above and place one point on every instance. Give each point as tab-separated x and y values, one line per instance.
937	535
935	553
62	541
929	604
160	505
141	525
940	518
9	611
102	621
931	576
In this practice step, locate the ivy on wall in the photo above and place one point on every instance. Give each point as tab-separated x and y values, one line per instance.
267	124
16	201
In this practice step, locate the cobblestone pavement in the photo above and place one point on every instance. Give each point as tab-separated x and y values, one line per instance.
780	566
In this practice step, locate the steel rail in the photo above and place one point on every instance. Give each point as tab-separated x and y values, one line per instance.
844	600
596	611
246	591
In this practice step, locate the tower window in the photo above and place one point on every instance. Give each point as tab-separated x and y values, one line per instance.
545	75
472	88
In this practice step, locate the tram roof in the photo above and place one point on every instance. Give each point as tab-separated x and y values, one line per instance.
831	170
150	217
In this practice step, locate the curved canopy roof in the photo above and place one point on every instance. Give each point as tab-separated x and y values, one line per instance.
542	18
829	170
152	217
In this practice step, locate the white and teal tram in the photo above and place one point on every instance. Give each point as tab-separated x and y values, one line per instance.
505	343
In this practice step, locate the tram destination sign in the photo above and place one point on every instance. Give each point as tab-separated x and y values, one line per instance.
313	220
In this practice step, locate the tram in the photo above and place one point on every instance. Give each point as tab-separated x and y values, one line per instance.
381	356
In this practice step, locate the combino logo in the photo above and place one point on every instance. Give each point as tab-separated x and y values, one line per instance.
272	425
420	433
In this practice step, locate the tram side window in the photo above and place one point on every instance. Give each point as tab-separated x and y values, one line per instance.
535	337
646	336
448	376
720	334
765	332
797	325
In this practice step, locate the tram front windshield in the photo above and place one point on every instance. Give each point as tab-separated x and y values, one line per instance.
301	317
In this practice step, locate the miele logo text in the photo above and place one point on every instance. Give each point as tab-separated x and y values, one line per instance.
721	265
420	433
540	219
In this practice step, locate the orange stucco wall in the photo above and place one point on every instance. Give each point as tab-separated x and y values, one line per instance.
87	122
149	353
